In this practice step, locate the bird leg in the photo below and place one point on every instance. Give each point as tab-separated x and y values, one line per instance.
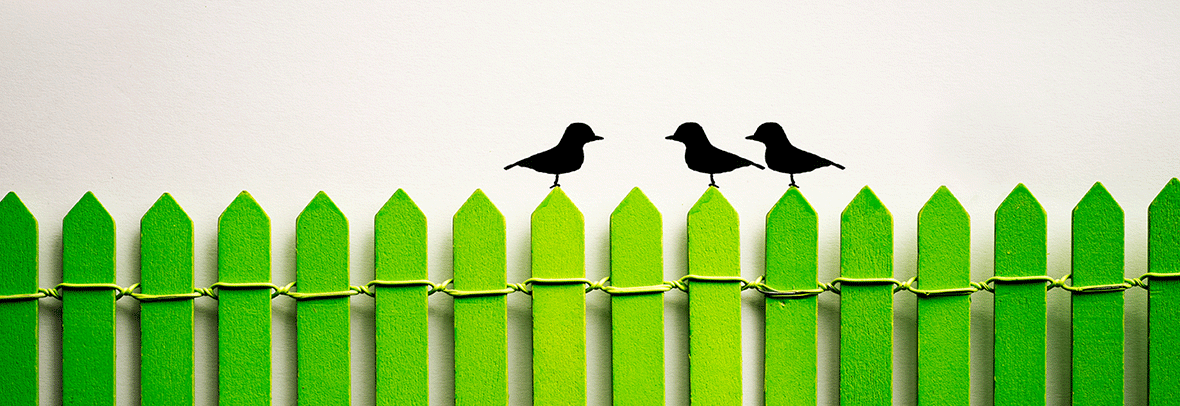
712	183
555	181
793	181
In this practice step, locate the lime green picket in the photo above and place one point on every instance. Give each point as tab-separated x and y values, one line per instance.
866	309
399	230
88	314
1020	306
166	327
559	310
18	318
321	263
714	308
1097	325
637	321
243	312
944	322
1163	306
481	367
791	248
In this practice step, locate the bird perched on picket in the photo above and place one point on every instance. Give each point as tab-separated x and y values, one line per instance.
566	157
783	157
701	156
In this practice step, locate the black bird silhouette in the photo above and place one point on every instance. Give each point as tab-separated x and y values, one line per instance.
566	157
701	156
783	157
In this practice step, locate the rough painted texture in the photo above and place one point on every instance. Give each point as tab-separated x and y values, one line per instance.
481	368
18	319
88	316
637	321
1020	316
1163	305
866	311
791	264
400	311
321	262
944	322
1097	325
714	308
559	311
243	315
166	267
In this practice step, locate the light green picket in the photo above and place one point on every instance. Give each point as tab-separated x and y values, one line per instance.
1097	323
559	310
866	309
637	321
1020	306
714	307
321	263
1163	306
88	314
481	367
243	313
18	318
944	322
791	264
400	311
166	268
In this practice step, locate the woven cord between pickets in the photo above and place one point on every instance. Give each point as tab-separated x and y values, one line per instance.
683	284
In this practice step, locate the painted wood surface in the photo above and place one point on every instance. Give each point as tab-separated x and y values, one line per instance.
481	368
1097	317
637	321
791	265
559	310
18	318
166	335
714	308
402	357
88	315
1163	306
321	265
944	322
243	314
866	310
1020	307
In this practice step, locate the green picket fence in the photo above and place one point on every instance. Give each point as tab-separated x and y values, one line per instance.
558	287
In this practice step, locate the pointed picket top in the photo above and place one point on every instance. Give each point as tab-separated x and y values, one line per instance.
1097	239
243	242
243	208
866	232
635	204
18	247
791	225
400	235
1020	235
478	205
944	242
88	240
322	226
321	205
713	223
166	246
1164	230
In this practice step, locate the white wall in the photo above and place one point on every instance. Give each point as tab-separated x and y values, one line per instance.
205	99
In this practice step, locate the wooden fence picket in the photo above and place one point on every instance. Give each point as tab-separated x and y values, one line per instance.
791	265
88	313
866	308
481	366
18	318
1020	306
321	263
166	263
243	315
944	322
402	358
637	321
714	307
1097	321
1163	306
559	310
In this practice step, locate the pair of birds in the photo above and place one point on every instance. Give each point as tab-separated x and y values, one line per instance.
699	153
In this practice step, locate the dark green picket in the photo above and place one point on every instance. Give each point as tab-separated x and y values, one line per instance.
791	265
1163	306
321	262
18	318
1097	324
88	315
243	314
1020	306
166	263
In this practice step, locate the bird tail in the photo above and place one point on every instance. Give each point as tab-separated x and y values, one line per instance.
760	166
837	165
510	166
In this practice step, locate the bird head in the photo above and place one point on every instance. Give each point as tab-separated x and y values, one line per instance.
689	132
578	133
769	132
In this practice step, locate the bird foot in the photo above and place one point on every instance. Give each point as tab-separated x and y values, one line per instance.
714	185
794	185
554	185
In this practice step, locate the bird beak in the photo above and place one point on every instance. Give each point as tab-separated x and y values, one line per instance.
670	137
750	137
596	138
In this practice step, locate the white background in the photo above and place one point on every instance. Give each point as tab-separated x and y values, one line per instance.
204	99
